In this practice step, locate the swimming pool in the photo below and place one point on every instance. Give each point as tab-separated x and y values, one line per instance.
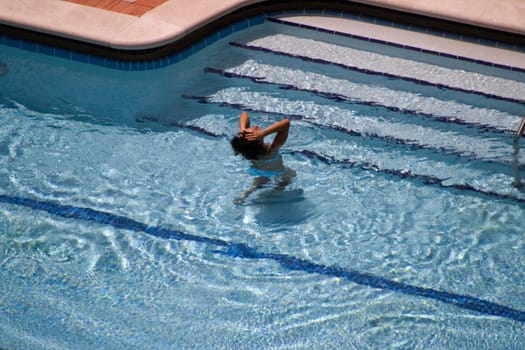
118	214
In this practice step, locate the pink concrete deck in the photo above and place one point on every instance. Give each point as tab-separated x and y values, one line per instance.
504	15
160	22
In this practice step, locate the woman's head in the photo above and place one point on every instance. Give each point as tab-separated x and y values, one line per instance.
249	149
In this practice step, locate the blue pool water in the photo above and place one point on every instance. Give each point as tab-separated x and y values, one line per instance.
120	226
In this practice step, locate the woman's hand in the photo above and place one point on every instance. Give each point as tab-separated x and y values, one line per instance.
253	134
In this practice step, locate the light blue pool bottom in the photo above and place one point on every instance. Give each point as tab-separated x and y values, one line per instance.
244	251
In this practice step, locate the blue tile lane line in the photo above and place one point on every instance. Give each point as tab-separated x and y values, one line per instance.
289	262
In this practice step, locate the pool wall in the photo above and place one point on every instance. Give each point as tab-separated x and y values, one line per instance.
245	17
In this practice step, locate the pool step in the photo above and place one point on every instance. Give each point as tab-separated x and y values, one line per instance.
504	192
399	116
372	95
394	67
392	162
338	118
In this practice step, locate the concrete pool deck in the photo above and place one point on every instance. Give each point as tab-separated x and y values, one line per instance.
147	24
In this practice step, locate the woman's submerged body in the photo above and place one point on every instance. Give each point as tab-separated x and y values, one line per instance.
267	163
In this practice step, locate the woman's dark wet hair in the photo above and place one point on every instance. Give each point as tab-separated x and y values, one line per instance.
249	149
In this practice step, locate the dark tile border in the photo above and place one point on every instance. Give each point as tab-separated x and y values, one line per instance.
159	57
110	58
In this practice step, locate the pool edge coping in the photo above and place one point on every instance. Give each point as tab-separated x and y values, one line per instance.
174	20
157	27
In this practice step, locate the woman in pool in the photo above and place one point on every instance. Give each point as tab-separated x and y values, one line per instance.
266	161
250	141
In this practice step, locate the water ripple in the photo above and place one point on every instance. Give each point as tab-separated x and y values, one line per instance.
289	262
